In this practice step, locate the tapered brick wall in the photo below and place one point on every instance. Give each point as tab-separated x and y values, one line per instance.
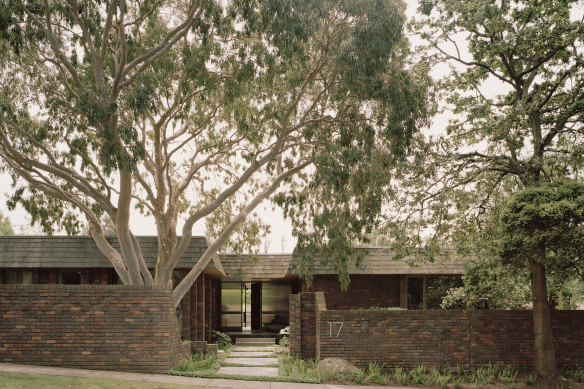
433	338
111	327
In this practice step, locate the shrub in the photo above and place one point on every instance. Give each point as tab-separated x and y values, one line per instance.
221	339
285	340
197	362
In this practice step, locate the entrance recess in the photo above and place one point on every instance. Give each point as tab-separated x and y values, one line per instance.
254	305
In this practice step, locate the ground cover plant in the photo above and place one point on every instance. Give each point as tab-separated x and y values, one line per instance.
488	376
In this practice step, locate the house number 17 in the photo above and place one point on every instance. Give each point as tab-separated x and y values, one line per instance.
333	324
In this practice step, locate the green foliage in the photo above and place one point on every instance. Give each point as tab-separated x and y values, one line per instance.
438	289
401	376
318	97
576	375
298	369
442	380
509	374
531	379
221	339
547	218
514	94
419	376
5	226
198	362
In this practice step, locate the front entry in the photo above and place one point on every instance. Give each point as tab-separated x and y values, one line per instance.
256	306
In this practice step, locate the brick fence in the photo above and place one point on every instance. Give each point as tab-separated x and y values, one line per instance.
111	327
433	337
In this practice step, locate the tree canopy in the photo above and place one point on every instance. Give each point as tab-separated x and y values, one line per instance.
515	95
200	110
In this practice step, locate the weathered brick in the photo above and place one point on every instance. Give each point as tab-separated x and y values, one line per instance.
90	326
433	338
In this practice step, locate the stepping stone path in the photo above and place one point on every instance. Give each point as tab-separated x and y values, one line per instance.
257	356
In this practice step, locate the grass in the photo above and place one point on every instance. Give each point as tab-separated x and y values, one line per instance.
27	381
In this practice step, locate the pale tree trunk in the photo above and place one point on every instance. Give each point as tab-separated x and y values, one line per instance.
123	229
211	251
167	240
148	280
545	353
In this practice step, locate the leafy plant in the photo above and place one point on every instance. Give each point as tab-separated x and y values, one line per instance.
375	374
300	369
358	378
457	383
460	369
198	362
419	375
576	375
400	376
285	340
530	379
221	339
483	375
509	374
441	380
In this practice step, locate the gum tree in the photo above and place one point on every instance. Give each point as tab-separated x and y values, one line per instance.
194	110
516	91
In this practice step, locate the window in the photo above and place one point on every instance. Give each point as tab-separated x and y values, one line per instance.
70	277
416	292
438	287
16	276
427	292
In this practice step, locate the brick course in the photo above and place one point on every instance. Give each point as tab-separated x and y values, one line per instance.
432	337
111	327
360	294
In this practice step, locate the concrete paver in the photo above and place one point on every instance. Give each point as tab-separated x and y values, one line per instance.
258	371
254	348
252	361
238	354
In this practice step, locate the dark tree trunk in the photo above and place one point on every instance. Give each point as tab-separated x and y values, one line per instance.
545	353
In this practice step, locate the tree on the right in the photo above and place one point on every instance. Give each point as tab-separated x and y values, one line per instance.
515	91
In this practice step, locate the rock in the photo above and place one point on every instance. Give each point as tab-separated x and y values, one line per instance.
336	365
281	350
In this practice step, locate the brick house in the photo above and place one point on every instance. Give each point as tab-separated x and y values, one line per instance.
235	293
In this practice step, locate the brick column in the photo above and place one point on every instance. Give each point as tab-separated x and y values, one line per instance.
303	323
186	311
200	307
193	311
208	304
295	338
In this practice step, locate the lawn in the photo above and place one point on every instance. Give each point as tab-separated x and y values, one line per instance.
18	380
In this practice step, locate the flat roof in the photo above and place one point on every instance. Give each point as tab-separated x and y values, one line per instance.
81	252
381	260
